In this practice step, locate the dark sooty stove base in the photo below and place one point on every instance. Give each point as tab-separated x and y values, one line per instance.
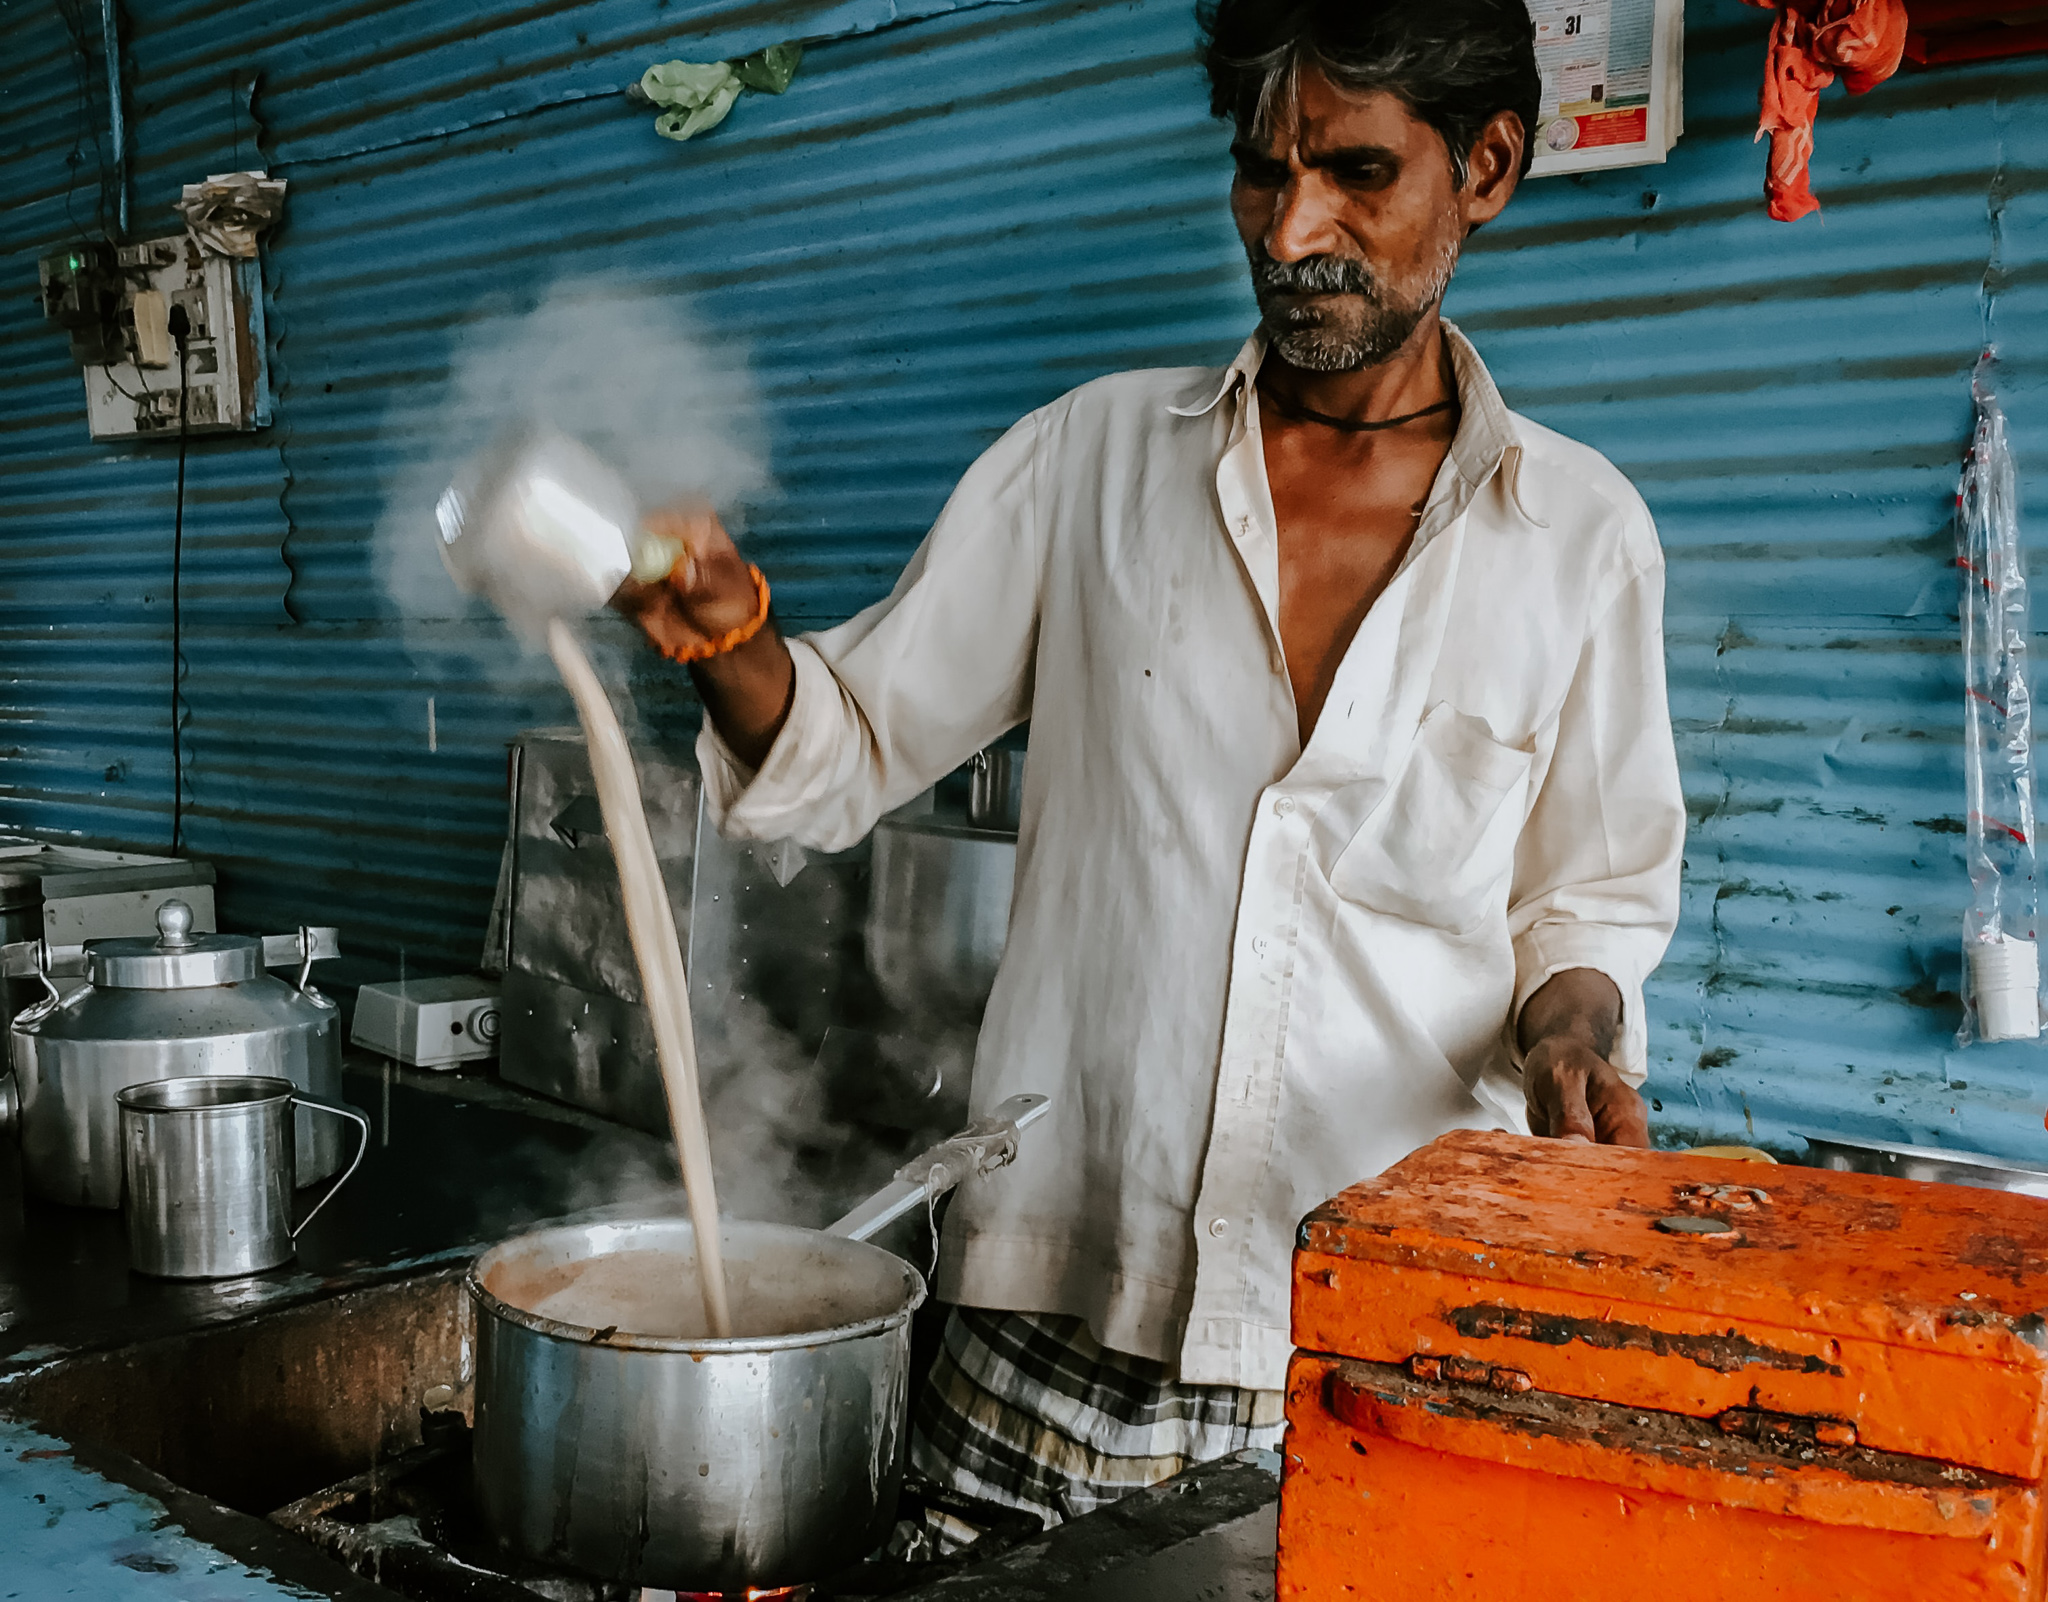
412	1526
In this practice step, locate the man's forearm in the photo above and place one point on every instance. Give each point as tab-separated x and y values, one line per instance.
747	693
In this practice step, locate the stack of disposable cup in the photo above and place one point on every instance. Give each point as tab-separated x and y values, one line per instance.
2005	978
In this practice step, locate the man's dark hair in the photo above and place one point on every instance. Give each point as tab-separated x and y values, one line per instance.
1453	63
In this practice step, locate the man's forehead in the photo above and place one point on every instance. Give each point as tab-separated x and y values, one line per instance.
1320	120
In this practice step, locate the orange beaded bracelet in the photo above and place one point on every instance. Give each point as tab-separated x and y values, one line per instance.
732	639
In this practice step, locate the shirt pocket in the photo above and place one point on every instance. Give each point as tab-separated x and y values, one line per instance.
1439	848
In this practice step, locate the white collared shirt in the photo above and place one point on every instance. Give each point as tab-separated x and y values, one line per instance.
1249	974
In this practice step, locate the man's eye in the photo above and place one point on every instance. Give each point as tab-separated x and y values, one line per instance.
1362	175
1261	172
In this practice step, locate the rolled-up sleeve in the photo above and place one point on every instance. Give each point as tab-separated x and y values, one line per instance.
901	695
1597	869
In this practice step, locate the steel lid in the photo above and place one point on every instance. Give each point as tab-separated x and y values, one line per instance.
177	959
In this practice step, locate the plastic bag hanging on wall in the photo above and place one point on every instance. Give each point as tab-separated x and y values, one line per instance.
2001	967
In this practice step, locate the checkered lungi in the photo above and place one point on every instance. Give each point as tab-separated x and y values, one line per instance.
1025	1410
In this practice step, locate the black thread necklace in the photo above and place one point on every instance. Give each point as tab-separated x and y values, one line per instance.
1308	414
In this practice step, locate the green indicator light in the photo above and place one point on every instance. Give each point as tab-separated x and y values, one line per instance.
77	262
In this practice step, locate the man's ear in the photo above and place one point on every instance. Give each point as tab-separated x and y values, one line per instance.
1493	169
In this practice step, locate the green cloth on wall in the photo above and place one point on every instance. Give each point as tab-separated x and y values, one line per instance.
696	95
770	70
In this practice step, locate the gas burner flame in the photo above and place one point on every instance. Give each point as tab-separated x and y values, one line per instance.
778	1593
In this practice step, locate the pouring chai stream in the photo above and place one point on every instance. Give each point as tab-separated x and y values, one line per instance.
547	532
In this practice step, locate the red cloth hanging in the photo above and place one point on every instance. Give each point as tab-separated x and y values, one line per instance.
1811	41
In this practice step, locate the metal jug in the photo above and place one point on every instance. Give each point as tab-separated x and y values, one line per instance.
183	1003
208	1161
543	527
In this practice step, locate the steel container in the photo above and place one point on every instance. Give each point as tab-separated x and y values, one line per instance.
1927	1163
995	789
656	1459
938	915
209	1165
179	1005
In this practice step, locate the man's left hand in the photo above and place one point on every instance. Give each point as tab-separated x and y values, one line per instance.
1573	1091
1577	1094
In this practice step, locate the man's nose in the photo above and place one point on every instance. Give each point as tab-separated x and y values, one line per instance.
1304	220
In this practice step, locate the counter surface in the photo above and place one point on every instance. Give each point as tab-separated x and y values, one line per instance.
455	1163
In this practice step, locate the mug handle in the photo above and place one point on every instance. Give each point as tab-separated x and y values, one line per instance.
315	1104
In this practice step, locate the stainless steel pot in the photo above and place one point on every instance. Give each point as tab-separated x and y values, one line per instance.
614	1438
692	1464
161	1009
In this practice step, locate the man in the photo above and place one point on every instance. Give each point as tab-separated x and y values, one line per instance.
1352	815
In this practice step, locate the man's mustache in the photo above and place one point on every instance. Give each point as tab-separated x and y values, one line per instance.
1312	275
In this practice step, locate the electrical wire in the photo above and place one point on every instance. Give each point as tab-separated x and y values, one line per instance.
180	328
147	392
72	14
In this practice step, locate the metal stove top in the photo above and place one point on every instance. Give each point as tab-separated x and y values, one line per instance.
412	1526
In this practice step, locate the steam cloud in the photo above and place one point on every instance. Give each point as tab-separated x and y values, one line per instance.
675	410
638	379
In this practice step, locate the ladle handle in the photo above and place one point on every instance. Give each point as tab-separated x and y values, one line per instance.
981	1148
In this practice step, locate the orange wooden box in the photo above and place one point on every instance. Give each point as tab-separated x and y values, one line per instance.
1531	1371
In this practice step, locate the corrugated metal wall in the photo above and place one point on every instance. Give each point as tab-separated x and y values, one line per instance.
956	213
1792	401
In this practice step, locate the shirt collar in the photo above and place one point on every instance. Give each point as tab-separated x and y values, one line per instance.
1242	370
1485	443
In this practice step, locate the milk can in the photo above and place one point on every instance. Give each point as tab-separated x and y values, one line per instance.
180	1004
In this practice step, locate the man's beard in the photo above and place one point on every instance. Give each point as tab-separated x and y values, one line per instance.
1339	337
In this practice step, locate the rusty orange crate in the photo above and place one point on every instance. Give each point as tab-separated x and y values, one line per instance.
1534	1371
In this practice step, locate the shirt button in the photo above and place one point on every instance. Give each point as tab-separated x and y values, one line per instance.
1284	807
1219	1227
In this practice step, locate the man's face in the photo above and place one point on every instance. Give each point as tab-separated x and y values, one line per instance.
1352	221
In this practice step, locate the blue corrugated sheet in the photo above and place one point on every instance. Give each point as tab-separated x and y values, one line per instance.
955	213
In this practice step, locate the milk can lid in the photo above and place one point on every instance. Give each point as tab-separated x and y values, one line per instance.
177	959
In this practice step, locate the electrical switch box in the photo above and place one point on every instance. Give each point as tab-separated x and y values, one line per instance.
165	331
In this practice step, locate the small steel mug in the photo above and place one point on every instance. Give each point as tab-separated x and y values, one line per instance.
208	1162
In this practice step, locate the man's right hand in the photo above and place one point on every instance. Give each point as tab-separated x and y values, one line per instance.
709	593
